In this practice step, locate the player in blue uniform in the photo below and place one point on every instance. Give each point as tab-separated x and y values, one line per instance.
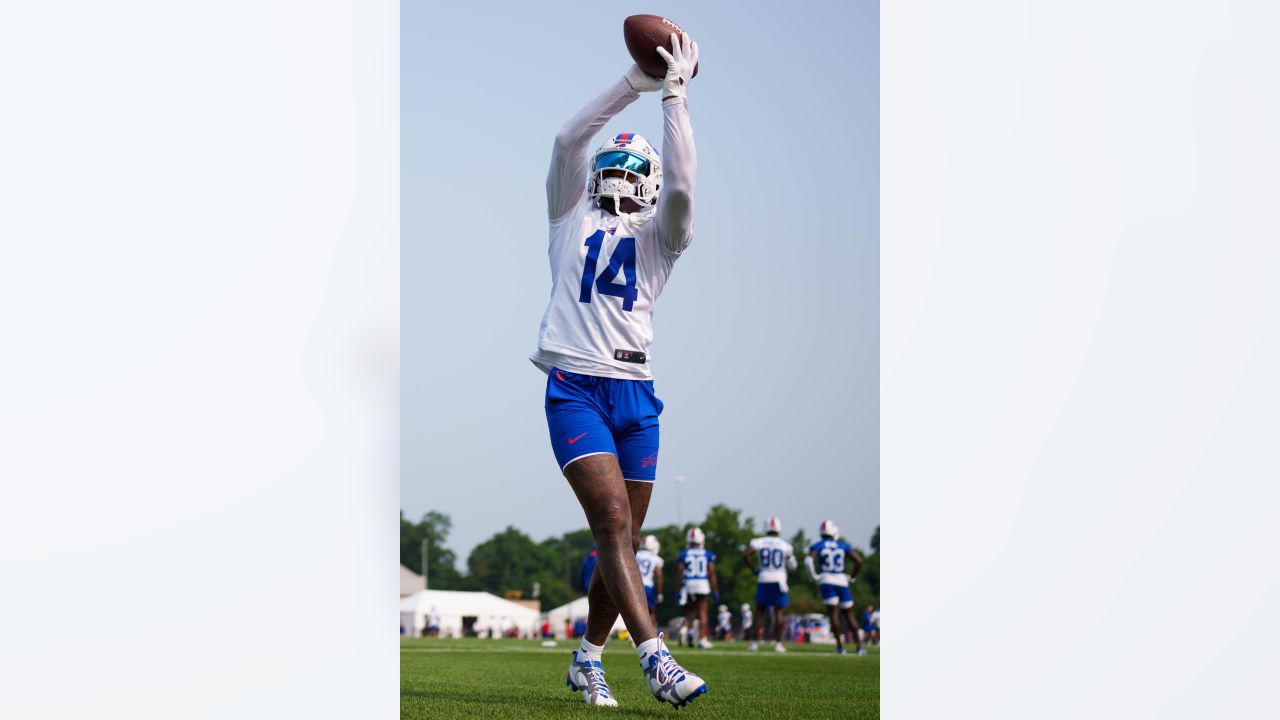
830	553
697	571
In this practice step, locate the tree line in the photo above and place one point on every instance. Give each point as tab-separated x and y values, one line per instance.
512	561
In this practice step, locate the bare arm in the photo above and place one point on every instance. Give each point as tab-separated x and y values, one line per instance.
711	574
747	555
566	179
857	562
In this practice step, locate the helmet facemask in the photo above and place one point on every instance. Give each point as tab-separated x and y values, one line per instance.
626	168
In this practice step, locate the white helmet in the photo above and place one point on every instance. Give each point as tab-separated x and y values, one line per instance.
829	529
640	163
773	525
650	543
696	536
745	607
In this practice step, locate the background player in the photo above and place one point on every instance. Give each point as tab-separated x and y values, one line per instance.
617	225
697	570
748	632
650	564
775	556
724	623
830	553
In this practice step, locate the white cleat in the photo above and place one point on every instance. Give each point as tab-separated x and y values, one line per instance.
754	646
862	651
777	647
669	682
705	644
587	676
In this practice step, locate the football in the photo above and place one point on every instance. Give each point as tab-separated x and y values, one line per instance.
644	35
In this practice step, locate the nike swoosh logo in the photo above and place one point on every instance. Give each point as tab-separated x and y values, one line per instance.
574	440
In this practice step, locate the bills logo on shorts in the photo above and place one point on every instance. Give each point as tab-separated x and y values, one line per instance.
651	461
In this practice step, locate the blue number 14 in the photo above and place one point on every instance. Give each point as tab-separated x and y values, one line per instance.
623	260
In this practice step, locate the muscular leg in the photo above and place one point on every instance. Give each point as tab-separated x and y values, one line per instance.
762	612
703	632
615	587
777	624
853	627
835	625
601	612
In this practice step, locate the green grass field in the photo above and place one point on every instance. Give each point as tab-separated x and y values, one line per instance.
521	679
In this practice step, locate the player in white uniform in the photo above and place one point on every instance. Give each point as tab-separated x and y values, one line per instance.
748	632
830	553
775	556
697	571
724	623
619	219
650	563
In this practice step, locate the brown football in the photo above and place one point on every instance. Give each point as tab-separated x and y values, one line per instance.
644	35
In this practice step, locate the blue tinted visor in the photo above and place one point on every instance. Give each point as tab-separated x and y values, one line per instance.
623	161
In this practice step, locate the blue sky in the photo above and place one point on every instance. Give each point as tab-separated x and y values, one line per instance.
766	349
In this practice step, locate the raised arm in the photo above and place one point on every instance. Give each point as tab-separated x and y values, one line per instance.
566	179
679	155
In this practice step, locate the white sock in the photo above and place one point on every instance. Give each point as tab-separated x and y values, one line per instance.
646	647
593	652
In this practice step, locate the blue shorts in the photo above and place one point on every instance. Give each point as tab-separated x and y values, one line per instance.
649	593
836	594
770	595
590	415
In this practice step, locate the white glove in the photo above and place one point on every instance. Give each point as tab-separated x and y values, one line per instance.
641	81
680	65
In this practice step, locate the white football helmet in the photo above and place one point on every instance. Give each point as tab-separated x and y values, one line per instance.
641	167
696	536
650	543
773	525
829	529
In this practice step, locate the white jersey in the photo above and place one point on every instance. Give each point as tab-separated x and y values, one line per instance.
606	275
746	618
649	563
773	556
724	620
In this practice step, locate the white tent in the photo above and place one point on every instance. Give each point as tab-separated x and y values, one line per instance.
491	613
410	582
571	612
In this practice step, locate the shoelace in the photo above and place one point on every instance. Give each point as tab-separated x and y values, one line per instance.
595	679
668	669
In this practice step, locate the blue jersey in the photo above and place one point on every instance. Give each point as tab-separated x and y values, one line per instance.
697	562
831	554
588	569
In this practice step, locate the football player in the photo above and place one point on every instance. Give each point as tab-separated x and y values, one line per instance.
651	573
775	557
619	219
748	632
697	570
830	553
724	623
